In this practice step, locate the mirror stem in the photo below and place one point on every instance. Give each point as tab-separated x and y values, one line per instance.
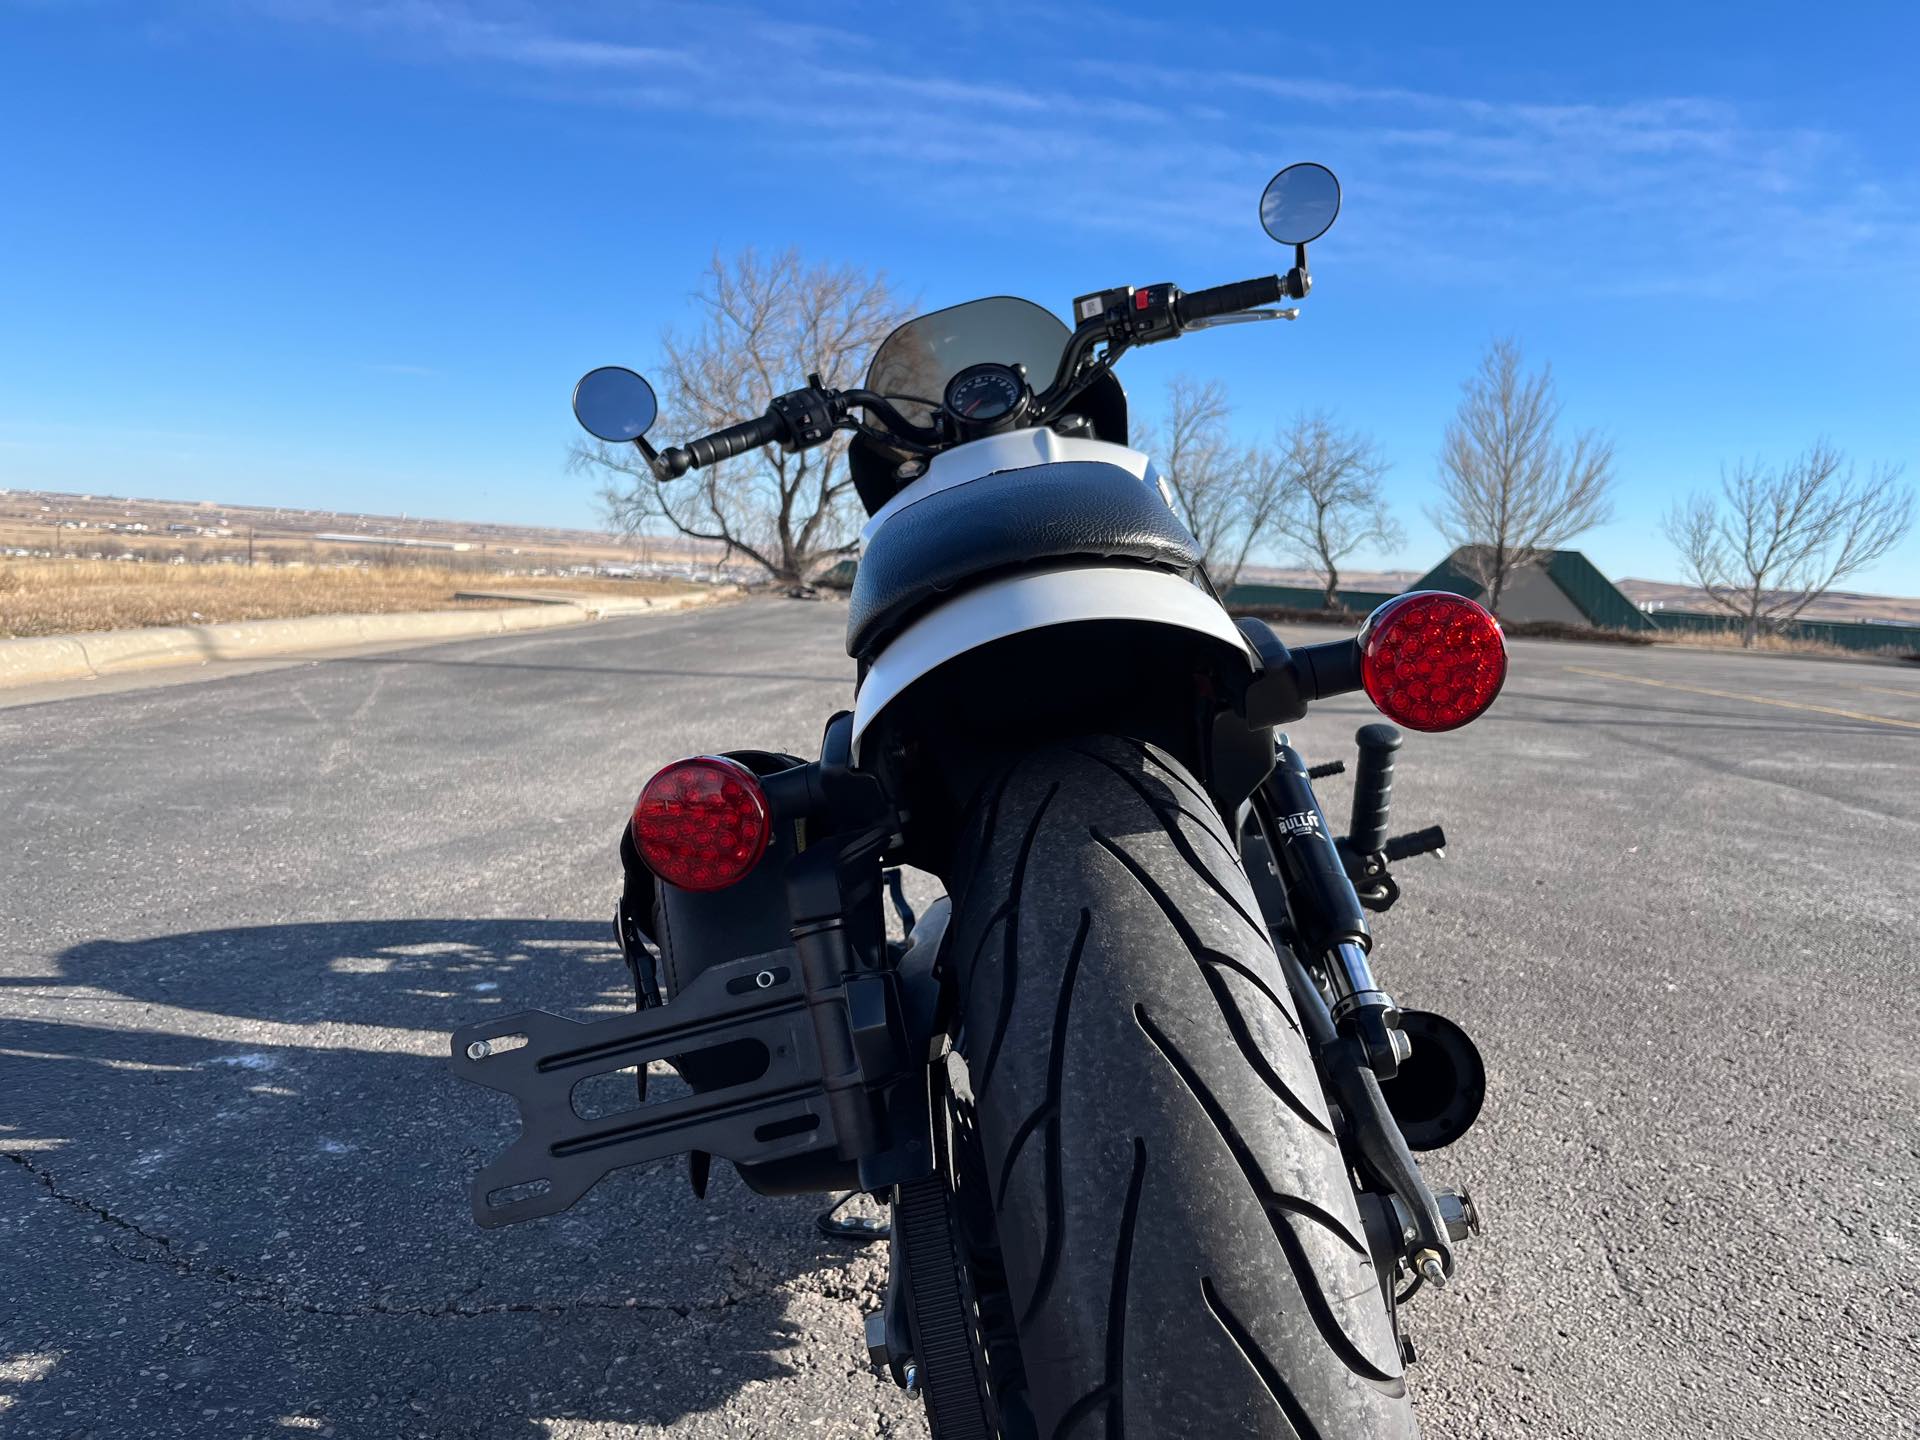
652	457
1300	281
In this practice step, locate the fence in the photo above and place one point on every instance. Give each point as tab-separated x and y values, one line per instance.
1303	597
1863	635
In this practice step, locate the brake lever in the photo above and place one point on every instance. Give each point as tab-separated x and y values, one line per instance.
1241	317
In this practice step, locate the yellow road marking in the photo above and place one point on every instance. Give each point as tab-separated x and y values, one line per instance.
1753	699
1885	690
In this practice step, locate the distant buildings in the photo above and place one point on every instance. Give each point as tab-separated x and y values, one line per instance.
406	542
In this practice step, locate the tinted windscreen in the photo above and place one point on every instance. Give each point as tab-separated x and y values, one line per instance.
919	358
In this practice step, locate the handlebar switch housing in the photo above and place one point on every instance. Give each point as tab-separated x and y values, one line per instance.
1101	305
810	416
1139	315
1150	314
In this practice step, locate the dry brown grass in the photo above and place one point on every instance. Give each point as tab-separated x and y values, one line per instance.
59	597
1763	644
1584	634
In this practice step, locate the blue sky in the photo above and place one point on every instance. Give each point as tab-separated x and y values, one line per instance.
354	252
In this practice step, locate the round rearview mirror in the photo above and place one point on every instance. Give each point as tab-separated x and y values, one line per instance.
1300	203
614	404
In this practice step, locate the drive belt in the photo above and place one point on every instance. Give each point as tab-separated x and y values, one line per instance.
943	1349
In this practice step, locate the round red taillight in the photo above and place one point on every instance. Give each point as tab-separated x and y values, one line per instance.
702	824
1432	660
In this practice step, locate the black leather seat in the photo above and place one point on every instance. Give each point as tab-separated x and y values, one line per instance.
1014	520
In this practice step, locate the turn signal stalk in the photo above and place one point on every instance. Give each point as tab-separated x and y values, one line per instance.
1432	660
702	824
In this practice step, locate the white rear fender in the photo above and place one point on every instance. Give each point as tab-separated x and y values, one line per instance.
1032	601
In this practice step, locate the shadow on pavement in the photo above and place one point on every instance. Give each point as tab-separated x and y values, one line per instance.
409	974
266	1183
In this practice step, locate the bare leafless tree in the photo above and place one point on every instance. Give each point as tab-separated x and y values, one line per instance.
1229	494
1197	460
1509	490
1774	541
770	321
1330	478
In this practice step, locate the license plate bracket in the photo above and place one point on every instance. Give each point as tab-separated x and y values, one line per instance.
542	1060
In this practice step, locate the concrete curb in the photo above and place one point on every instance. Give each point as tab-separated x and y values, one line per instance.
42	658
39	660
604	605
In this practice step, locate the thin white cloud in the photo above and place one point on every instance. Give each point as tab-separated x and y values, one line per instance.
1609	197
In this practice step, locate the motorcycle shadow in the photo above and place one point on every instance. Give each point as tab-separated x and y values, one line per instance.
258	1121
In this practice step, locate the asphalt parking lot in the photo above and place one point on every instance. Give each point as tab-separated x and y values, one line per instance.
238	916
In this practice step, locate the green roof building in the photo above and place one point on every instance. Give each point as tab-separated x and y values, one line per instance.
1561	585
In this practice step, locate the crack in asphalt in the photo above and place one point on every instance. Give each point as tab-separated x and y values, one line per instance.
253	1289
1623	1283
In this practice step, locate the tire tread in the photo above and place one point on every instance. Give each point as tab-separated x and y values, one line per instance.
1088	852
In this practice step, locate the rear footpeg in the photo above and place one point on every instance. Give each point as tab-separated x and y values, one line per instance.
757	1006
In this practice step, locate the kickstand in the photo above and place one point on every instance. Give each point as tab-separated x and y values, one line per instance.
854	1228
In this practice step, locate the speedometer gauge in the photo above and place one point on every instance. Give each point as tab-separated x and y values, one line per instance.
982	395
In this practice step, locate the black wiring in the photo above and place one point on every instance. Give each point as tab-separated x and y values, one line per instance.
1051	404
886	439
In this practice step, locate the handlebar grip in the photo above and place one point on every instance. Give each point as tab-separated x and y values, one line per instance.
1225	299
735	439
1372	788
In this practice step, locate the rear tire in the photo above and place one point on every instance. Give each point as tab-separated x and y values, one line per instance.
1182	1250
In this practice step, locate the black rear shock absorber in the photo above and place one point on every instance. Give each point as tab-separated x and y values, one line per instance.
1321	906
1329	924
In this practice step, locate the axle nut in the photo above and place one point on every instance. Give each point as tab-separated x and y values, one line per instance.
877	1340
1457	1213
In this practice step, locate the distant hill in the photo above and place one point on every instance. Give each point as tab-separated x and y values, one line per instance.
1384	580
42	523
1834	605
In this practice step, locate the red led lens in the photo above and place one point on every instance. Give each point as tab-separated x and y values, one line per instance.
702	824
1432	660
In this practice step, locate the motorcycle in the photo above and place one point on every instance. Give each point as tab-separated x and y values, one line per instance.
1144	1120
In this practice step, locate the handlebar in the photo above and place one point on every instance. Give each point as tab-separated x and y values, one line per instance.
723	444
1119	318
1226	299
